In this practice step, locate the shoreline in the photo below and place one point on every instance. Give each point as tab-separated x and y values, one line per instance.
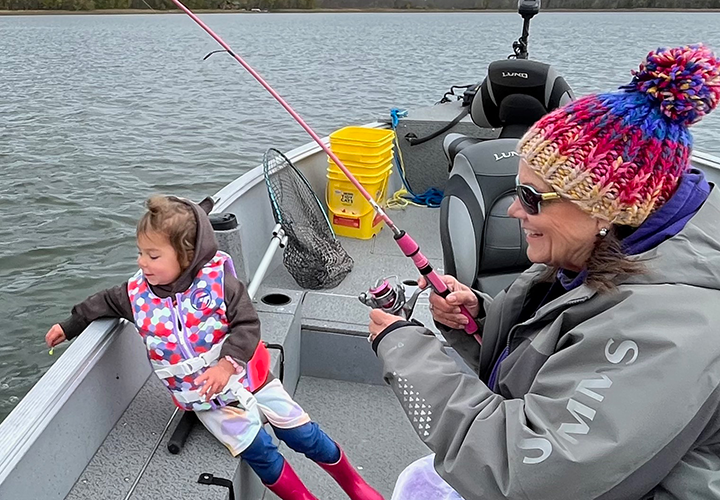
318	11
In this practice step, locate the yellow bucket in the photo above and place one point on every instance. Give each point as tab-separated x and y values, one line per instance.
361	141
350	213
364	170
364	159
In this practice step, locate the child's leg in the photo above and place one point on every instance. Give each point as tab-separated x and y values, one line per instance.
234	427
264	458
242	433
293	426
311	441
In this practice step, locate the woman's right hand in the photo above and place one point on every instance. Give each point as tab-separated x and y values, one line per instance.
447	310
55	336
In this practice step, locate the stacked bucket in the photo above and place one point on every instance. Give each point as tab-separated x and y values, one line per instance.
368	154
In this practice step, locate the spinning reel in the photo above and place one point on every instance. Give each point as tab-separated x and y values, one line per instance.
392	296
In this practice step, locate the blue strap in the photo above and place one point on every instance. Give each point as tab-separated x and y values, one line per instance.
430	198
395	115
493	383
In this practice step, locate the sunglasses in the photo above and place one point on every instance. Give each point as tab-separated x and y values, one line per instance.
530	198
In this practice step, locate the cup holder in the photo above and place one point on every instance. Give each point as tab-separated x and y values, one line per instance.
275	299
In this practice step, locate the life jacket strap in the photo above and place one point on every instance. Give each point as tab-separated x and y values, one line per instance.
234	385
189	366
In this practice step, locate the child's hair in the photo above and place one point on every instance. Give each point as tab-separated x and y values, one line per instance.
176	221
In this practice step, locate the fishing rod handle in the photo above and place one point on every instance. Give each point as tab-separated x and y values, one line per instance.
442	290
411	249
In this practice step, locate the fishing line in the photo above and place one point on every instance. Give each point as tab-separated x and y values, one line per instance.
408	246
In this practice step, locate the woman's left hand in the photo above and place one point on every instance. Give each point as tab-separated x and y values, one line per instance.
379	320
215	379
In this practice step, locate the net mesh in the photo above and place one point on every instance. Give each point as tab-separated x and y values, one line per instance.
312	256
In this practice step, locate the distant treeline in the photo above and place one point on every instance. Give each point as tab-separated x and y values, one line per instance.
512	4
78	5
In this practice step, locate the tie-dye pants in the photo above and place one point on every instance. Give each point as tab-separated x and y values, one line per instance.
236	428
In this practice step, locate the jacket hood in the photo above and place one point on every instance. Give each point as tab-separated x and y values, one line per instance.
205	249
692	256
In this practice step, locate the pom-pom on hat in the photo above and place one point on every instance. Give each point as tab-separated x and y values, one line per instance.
619	156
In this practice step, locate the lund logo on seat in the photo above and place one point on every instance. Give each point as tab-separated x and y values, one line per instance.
503	156
578	409
506	74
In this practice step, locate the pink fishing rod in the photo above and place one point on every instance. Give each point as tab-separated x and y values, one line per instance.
408	246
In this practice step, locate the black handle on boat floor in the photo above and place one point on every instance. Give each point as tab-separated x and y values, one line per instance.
207	478
181	432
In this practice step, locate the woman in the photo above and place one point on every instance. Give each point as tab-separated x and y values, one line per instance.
599	372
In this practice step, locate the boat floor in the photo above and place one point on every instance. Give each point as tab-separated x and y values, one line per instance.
368	422
365	418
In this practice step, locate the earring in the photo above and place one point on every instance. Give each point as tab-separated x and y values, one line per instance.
603	232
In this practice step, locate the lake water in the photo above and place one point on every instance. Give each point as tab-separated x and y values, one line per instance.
98	112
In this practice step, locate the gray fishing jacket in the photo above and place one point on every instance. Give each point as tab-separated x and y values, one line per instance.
604	396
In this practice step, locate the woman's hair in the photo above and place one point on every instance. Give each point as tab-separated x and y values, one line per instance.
176	221
607	264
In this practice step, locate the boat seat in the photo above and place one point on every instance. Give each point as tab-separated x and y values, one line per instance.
482	246
514	95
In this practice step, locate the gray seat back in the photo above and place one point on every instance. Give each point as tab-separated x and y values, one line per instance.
482	246
514	95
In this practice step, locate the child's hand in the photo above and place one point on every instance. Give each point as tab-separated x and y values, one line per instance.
215	379
55	336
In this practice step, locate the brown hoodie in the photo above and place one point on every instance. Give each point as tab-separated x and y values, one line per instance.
244	324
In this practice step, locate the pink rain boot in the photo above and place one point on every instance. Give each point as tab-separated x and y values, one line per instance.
289	487
349	480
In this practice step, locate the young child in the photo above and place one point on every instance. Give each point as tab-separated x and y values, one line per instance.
203	340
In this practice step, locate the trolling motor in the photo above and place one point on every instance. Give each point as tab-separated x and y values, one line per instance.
527	9
391	297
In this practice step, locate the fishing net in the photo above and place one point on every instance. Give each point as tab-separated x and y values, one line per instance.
313	256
